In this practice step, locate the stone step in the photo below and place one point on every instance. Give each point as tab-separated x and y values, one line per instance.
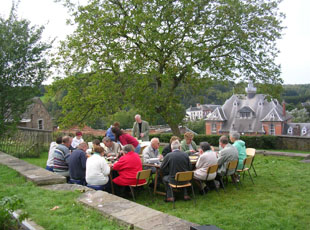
36	174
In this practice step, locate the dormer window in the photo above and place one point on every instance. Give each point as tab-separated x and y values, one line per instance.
235	104
304	131
272	115
245	114
290	130
260	103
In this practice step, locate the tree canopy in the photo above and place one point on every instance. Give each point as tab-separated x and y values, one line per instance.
23	67
142	52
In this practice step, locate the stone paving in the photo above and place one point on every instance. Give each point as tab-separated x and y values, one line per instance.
132	214
36	174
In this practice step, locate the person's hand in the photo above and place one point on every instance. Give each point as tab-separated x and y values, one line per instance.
161	156
111	165
192	151
109	154
141	134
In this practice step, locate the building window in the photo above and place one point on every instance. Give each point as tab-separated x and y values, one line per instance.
214	128
40	124
245	114
290	130
304	131
272	115
250	126
272	130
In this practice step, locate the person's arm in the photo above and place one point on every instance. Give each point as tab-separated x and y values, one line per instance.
83	160
184	147
119	165
105	168
146	155
195	146
220	159
134	129
147	129
164	167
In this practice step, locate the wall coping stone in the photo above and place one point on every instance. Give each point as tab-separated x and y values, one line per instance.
36	174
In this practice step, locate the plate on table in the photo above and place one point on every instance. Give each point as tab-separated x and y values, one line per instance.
154	160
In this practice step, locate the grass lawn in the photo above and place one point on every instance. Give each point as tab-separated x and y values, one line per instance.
278	200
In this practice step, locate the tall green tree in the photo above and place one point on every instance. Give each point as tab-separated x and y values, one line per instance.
151	48
23	67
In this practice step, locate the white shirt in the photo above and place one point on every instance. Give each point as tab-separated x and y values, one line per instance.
75	142
97	170
50	161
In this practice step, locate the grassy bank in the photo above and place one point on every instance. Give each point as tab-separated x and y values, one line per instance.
278	200
40	202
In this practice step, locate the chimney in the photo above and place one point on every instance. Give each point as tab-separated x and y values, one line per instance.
283	108
250	90
198	105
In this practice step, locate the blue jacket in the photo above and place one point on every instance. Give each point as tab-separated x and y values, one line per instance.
110	134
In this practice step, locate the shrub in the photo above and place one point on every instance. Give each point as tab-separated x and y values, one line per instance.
7	206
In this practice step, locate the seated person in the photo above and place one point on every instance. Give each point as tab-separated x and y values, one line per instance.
126	139
97	169
151	151
226	154
176	161
127	167
207	158
77	140
77	163
188	145
50	162
167	149
240	145
61	157
111	148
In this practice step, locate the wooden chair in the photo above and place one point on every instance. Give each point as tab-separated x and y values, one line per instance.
211	169
251	152
143	174
247	162
182	177
231	166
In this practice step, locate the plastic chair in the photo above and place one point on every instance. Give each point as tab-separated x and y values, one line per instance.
182	177
246	162
251	152
141	175
211	169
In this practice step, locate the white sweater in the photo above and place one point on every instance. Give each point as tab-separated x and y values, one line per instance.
207	159
97	170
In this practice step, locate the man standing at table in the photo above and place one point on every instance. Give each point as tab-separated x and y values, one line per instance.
174	162
140	129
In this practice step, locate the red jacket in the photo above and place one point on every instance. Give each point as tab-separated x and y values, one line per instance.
127	168
127	139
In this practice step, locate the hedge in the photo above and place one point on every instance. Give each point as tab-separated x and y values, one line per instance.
258	142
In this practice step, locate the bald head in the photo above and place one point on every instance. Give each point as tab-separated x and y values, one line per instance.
138	118
155	143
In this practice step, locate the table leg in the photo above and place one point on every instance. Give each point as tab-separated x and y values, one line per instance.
112	187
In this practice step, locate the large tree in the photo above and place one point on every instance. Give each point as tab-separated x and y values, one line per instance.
23	67
144	51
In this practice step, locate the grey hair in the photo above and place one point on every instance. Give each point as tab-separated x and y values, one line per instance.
154	139
223	140
107	139
128	148
175	145
235	135
138	115
205	146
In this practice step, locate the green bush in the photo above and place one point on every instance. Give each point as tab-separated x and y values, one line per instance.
7	206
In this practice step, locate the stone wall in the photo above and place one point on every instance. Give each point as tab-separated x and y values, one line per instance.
294	143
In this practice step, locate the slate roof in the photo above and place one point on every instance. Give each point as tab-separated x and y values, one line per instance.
234	117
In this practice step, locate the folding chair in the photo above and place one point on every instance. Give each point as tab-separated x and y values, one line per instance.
211	169
141	175
251	152
232	165
246	162
182	177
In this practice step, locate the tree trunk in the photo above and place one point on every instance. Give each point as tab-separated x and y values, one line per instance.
175	129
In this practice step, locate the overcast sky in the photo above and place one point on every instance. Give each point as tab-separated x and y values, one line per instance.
294	47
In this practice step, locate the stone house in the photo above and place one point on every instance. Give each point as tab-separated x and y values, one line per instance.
200	111
250	114
36	116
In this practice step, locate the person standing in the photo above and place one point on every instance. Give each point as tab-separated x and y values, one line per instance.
109	133
140	129
126	139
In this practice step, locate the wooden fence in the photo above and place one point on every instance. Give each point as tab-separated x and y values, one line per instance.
26	142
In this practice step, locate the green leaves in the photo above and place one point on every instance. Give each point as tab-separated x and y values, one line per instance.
155	46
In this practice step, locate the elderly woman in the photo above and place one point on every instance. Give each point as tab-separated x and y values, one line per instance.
240	145
98	170
188	145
